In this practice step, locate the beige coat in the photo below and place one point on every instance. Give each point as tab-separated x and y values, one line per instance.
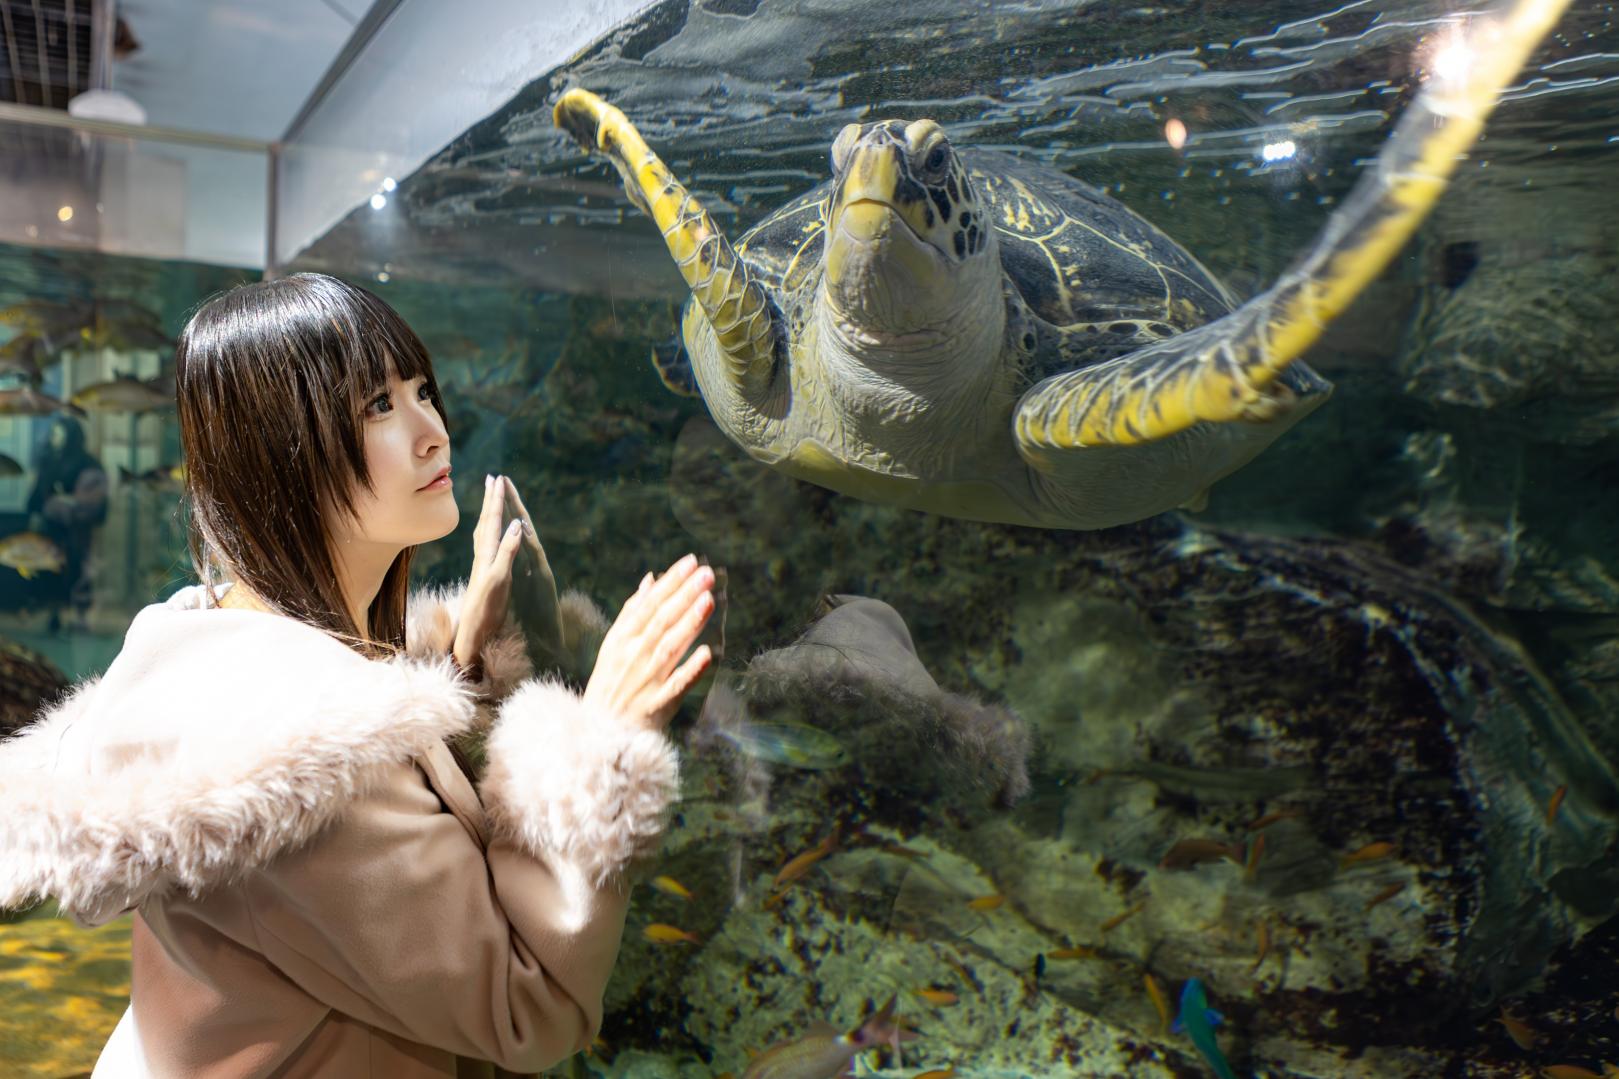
317	888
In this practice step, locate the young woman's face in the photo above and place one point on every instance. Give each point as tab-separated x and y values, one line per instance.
406	449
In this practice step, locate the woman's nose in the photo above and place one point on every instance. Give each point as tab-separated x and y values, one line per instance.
430	432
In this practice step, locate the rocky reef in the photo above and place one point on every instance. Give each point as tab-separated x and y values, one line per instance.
28	682
1379	757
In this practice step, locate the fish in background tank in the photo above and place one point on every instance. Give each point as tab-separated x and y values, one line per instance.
1300	766
90	481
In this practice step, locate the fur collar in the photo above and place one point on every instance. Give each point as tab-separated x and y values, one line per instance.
216	740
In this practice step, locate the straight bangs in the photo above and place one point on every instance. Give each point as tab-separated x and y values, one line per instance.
272	381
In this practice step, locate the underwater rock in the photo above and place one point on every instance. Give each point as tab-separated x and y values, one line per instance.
28	681
1526	340
1184	684
1224	678
855	675
1512	318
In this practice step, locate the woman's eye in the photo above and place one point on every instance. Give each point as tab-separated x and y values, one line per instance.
378	402
425	392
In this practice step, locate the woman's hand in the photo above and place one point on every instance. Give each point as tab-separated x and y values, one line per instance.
489	585
638	672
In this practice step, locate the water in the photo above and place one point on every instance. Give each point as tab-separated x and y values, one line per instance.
1399	626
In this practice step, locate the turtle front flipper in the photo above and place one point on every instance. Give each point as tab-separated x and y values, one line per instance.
736	305
1227	370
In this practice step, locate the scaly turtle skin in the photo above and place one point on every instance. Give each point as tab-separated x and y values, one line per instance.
953	331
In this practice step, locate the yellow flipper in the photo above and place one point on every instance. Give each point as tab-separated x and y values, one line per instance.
1226	371
736	305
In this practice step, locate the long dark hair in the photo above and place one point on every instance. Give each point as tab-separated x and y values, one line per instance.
271	380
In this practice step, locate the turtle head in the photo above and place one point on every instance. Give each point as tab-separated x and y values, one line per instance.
907	245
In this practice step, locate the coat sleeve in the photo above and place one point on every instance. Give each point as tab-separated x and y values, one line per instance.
397	917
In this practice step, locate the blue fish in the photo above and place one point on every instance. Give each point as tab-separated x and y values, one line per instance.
1198	1020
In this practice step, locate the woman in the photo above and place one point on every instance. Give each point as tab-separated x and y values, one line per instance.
262	777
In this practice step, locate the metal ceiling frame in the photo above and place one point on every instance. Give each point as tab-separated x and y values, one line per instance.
38	116
71	48
103	21
363	32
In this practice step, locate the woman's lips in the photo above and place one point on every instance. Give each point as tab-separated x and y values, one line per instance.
439	484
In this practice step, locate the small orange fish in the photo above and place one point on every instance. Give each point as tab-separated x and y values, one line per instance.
986	902
1159	1001
800	864
1263	932
1254	853
939	998
1568	1071
1269	819
1371	852
1555	802
1518	1029
1078	951
1386	894
1119	919
671	886
658	933
1189	853
937	1073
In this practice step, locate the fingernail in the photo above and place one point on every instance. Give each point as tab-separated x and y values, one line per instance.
488	480
688	562
513	528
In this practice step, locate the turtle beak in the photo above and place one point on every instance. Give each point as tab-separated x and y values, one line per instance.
866	221
876	189
872	231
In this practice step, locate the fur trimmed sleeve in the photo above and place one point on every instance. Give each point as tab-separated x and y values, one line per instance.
568	780
430	624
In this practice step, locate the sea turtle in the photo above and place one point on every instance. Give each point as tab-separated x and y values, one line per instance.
955	331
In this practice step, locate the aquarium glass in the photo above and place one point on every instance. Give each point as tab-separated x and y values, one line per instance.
1331	753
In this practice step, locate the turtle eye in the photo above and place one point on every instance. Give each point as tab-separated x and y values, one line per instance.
937	159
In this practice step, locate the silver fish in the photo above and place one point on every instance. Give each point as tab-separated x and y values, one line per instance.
122	394
796	745
30	402
824	1053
